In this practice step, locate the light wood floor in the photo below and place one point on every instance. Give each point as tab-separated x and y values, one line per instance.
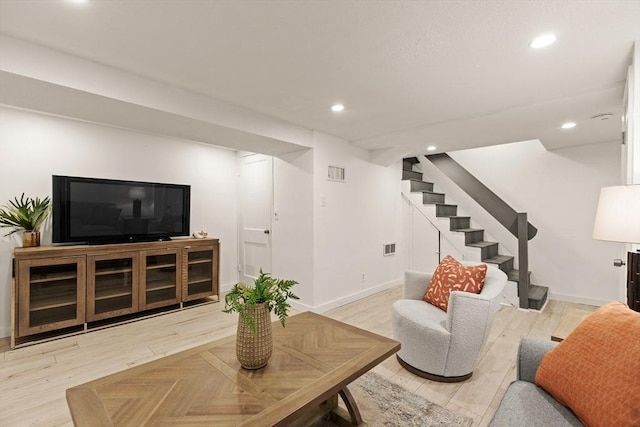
33	379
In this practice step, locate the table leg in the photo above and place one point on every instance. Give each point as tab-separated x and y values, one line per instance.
352	406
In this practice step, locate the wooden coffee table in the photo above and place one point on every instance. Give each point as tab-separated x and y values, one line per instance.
314	359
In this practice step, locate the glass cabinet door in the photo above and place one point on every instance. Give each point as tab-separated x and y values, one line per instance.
201	279
160	278
50	294
111	289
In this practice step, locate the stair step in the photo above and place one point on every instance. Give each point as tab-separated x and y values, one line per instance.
487	249
421	185
504	262
481	244
459	222
537	296
444	210
409	162
472	235
514	275
430	198
408	174
468	230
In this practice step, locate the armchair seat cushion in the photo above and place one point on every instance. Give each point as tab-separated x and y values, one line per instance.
421	314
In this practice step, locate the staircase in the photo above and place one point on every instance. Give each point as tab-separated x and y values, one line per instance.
473	237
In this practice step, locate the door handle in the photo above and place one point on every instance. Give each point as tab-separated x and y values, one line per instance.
266	232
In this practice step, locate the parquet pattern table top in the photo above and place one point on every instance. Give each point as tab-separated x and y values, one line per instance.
314	358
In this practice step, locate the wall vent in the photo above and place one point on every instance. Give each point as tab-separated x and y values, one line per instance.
335	173
389	249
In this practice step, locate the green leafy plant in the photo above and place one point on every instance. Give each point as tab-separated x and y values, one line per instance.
25	213
266	289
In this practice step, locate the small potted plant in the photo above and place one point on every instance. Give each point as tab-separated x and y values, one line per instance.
254	342
26	214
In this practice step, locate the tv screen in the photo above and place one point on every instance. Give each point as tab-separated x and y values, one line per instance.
91	210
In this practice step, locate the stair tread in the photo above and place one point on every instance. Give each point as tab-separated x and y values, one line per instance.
537	292
537	296
514	275
447	205
433	192
467	230
498	259
482	244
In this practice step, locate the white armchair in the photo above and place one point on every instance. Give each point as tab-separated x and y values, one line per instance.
445	346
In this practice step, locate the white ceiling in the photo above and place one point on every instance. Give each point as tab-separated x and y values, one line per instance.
455	74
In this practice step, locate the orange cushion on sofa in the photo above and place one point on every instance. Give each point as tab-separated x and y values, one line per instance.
595	371
453	276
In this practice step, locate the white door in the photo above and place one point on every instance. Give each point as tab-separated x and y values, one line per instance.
255	206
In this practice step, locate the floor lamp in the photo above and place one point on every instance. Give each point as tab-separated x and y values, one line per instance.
618	220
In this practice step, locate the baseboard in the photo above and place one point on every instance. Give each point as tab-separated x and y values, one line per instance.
300	306
338	302
577	299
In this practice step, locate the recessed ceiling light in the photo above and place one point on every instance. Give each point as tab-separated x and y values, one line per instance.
568	125
337	108
542	41
431	148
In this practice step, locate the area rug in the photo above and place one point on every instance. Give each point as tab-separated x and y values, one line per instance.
383	403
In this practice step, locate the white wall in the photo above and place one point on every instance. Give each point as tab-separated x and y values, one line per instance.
34	146
352	221
292	232
631	151
559	190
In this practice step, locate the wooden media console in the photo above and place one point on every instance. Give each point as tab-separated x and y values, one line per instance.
60	287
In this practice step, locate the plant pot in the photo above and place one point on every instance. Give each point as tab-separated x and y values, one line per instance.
253	349
30	239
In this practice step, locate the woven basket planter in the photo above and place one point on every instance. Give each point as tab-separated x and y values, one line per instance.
254	349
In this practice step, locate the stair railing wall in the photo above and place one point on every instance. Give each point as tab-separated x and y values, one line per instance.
440	236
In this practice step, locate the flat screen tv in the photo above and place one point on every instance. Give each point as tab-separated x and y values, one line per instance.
92	210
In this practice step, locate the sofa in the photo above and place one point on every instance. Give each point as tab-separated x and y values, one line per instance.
592	377
525	404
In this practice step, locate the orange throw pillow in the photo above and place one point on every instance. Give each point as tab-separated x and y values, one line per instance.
595	371
453	276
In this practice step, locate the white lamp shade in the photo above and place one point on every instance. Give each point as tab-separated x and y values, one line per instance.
136	193
618	214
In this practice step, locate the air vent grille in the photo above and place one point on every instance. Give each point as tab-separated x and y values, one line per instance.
335	173
389	249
